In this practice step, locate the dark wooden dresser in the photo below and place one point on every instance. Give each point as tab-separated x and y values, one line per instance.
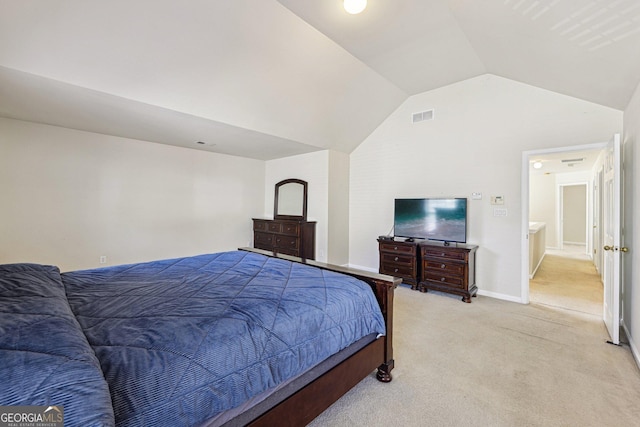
400	259
448	269
286	236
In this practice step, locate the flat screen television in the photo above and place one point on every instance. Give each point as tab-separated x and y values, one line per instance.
443	219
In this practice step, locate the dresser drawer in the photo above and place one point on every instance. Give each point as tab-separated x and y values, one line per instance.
290	228
260	225
397	248
444	253
274	227
286	242
451	281
443	267
387	258
397	270
265	240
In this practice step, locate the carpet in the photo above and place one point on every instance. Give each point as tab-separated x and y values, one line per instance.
494	363
568	283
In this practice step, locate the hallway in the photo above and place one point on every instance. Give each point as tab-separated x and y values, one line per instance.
568	280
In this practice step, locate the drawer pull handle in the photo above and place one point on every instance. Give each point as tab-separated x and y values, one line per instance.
442	266
442	254
395	248
396	259
442	279
395	270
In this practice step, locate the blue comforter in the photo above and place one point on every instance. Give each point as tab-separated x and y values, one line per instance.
180	341
45	358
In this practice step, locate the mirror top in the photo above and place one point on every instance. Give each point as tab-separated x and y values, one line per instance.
290	199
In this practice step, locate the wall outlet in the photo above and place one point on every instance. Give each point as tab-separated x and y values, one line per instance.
476	196
103	259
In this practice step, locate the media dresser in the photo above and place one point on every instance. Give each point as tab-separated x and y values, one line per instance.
431	265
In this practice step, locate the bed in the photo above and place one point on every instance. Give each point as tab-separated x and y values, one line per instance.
145	341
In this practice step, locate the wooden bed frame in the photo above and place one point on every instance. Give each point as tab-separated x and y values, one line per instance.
303	405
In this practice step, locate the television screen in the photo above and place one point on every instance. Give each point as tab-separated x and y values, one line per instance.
433	219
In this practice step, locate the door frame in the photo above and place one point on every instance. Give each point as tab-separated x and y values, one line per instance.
524	191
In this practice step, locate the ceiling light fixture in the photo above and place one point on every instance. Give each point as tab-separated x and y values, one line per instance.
537	165
354	6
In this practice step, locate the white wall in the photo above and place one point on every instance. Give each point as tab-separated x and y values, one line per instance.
631	232
474	144
543	205
338	241
69	197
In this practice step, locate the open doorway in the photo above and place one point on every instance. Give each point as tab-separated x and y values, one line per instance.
573	234
561	211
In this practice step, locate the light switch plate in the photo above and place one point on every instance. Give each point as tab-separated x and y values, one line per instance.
497	200
476	196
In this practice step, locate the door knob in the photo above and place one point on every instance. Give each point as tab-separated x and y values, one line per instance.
607	248
624	249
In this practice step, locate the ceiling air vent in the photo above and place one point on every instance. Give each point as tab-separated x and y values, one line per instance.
571	162
422	116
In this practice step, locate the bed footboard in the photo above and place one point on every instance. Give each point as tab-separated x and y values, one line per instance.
303	406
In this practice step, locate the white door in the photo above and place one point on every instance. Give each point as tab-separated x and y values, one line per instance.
611	239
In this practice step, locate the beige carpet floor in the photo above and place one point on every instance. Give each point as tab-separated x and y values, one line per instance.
495	363
567	282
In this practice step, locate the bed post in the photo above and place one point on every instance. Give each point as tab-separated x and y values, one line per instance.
384	293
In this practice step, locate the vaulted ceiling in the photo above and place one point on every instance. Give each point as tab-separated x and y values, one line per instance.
267	79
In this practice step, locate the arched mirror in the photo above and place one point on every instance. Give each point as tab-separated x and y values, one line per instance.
290	200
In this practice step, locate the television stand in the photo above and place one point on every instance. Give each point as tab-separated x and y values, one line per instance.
448	268
400	258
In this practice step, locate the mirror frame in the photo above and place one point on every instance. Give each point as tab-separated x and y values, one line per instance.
302	217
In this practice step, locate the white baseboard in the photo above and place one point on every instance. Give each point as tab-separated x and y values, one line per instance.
537	266
497	295
632	345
